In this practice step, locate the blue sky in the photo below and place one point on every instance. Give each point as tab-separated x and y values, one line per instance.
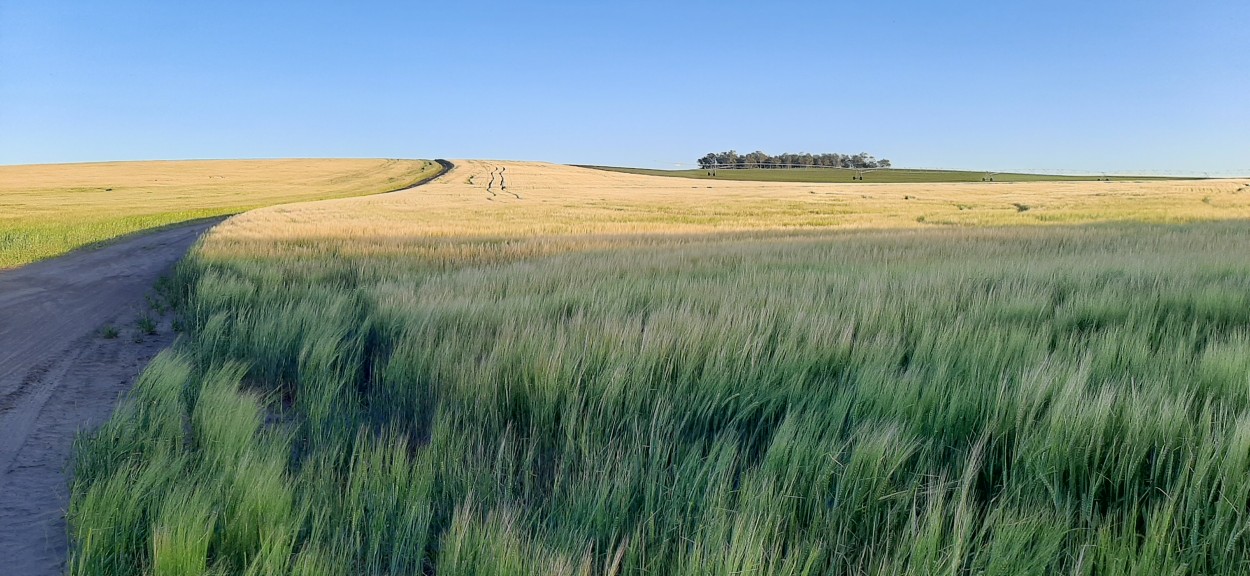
1088	86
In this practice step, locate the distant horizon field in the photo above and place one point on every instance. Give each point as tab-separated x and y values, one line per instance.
877	175
50	209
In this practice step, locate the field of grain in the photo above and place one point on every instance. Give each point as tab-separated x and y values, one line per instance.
521	200
533	369
880	176
49	209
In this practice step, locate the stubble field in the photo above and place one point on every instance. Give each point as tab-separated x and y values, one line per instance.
532	369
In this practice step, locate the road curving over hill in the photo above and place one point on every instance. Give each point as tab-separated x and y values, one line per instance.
71	344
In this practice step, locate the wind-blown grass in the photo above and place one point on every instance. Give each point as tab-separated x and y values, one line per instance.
1004	400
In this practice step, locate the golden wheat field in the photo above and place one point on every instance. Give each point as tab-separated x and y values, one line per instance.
528	202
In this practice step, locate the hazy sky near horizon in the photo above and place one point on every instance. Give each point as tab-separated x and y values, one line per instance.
1063	85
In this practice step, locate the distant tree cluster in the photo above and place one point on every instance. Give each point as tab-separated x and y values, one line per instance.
757	159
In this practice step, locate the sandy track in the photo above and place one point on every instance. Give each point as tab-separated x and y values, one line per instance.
59	375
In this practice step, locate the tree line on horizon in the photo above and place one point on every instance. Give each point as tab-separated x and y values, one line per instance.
758	159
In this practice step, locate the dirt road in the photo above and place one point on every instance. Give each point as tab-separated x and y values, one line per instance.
60	373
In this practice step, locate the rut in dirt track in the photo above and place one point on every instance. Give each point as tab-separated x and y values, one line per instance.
498	181
59	375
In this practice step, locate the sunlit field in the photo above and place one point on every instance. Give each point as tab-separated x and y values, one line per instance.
537	204
874	175
533	369
47	210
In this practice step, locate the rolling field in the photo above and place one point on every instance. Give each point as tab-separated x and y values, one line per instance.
512	204
48	210
524	368
846	175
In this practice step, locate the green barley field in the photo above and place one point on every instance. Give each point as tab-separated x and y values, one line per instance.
348	398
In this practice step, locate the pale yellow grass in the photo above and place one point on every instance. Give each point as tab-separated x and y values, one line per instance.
49	209
536	207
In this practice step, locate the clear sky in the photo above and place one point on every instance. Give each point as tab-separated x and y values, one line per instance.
1060	85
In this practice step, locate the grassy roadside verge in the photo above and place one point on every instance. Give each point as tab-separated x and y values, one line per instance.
49	210
1073	399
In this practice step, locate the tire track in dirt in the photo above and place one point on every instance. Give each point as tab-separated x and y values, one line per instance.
490	186
499	181
503	183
